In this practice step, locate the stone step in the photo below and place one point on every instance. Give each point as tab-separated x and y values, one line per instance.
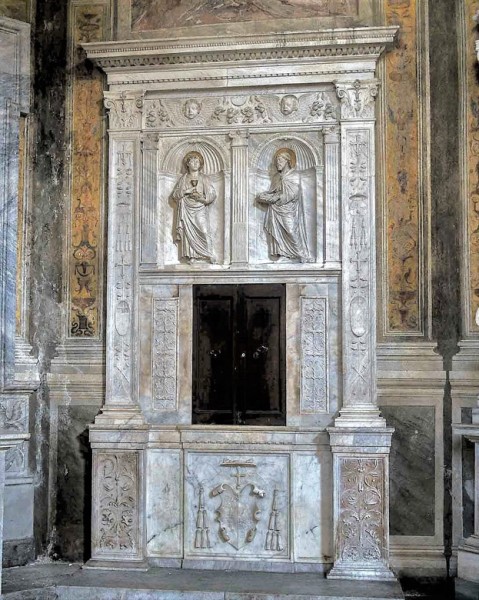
61	581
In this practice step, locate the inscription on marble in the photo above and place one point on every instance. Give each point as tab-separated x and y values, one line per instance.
164	368
314	388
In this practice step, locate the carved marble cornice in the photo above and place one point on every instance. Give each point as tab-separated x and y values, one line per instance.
329	44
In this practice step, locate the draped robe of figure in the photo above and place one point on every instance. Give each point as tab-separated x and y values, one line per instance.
192	221
284	221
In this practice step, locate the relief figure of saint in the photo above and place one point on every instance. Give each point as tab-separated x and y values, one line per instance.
193	194
284	221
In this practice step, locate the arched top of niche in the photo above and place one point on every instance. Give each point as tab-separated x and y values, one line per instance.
307	156
214	159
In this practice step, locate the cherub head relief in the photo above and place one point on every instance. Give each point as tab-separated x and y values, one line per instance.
191	108
289	104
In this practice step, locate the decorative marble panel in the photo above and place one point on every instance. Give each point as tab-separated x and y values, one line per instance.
116	531
164	354
361	533
314	372
14	415
88	24
402	176
237	506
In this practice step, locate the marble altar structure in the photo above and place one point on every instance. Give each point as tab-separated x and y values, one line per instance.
246	161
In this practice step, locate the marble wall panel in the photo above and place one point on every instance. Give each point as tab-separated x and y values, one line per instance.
403	210
412	470
237	506
164	503
16	9
467	477
312	502
88	23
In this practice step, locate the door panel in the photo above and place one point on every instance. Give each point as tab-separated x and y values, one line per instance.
239	354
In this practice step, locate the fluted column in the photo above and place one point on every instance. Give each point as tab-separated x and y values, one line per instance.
239	216
332	255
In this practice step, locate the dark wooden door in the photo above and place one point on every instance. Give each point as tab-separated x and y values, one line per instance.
239	354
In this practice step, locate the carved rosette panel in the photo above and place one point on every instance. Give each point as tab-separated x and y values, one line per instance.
164	355
117	501
361	522
121	268
89	24
14	419
357	99
125	112
358	260
314	387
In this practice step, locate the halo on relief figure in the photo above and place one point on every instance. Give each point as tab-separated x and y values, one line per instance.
287	153
193	154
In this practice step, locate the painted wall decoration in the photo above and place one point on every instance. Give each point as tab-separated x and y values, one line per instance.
472	161
89	24
402	173
158	14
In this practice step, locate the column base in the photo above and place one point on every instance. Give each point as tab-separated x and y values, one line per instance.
379	572
127	417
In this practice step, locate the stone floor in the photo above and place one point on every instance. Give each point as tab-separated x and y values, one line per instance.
61	581
69	582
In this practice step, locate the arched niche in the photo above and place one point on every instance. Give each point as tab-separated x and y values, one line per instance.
170	170
309	164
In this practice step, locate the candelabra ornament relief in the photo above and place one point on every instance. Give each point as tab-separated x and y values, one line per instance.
193	194
284	220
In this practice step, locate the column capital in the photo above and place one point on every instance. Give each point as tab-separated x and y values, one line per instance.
357	98
124	109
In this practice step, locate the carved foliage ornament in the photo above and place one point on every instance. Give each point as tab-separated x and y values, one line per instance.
165	323
253	110
357	99
125	112
313	351
118	502
361	509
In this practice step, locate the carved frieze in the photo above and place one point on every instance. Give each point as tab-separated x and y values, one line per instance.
254	110
124	111
357	99
361	509
164	354
314	388
117	503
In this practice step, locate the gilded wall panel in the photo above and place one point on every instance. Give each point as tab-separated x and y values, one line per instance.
402	174
472	161
89	23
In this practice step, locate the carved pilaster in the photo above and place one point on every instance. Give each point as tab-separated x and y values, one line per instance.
332	168
164	367
239	151
314	372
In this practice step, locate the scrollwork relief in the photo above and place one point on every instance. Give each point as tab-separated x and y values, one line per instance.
313	353
237	111
357	99
156	115
164	368
118	502
322	109
124	112
361	509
